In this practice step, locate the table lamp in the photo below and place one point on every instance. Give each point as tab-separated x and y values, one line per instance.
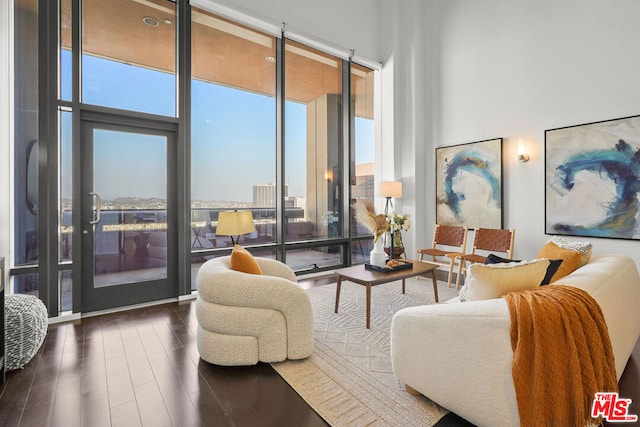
388	190
235	223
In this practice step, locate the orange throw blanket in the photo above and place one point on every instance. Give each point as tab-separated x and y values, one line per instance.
561	355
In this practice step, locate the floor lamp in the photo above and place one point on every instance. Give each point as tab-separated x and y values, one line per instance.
235	223
389	190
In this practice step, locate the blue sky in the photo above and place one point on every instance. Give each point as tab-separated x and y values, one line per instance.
233	131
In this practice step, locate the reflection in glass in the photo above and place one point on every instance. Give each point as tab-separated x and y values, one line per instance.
25	150
233	143
313	142
362	179
65	287
132	68
66	189
65	50
130	180
308	260
26	284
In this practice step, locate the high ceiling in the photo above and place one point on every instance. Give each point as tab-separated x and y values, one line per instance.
222	52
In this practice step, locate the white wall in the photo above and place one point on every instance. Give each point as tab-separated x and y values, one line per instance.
5	129
503	68
515	68
406	112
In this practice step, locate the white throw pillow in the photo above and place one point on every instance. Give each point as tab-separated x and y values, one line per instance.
585	248
494	280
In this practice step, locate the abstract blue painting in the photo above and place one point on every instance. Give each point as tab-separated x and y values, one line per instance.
592	179
469	184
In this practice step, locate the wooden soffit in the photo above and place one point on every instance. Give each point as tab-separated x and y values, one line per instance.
142	33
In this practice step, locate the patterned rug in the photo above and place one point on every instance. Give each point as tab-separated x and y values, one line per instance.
348	379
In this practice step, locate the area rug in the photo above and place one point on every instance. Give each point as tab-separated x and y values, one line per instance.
348	379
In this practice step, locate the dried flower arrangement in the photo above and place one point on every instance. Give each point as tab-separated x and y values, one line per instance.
366	214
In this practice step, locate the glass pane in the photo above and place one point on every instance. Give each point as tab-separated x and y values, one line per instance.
65	50
66	189
128	55
130	241
360	250
308	260
313	142
25	177
25	284
362	182
66	290
233	141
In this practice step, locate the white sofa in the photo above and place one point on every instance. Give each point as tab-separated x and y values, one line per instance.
459	354
246	318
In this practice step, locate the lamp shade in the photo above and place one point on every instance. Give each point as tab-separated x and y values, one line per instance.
235	223
389	189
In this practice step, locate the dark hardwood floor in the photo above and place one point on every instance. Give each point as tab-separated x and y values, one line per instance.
141	367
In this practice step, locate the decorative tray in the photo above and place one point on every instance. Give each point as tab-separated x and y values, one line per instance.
403	265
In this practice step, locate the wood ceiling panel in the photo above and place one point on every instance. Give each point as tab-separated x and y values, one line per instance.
222	52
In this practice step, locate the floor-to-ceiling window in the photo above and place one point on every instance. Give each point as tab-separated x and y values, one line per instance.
297	172
233	131
314	157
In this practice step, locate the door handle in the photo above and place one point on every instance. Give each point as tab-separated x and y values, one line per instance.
96	196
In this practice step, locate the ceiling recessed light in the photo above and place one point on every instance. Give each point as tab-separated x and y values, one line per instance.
270	59
167	21
152	22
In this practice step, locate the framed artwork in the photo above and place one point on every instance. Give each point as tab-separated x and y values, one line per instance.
592	179
469	184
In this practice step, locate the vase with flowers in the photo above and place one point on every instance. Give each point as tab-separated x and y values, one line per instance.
397	224
377	225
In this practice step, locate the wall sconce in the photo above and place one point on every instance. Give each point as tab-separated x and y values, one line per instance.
522	156
328	175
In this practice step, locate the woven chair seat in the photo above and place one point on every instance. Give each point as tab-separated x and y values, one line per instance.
435	252
26	322
473	258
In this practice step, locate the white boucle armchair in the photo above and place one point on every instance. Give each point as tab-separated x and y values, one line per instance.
245	318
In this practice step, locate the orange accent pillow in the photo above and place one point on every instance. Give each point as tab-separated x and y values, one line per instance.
242	260
570	259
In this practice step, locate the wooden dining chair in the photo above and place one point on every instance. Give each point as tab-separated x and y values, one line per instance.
486	240
448	240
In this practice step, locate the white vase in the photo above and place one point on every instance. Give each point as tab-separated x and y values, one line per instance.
378	256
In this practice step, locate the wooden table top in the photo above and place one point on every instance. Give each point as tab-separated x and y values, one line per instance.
358	274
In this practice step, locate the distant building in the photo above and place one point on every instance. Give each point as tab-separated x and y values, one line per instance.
299	202
364	181
264	195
